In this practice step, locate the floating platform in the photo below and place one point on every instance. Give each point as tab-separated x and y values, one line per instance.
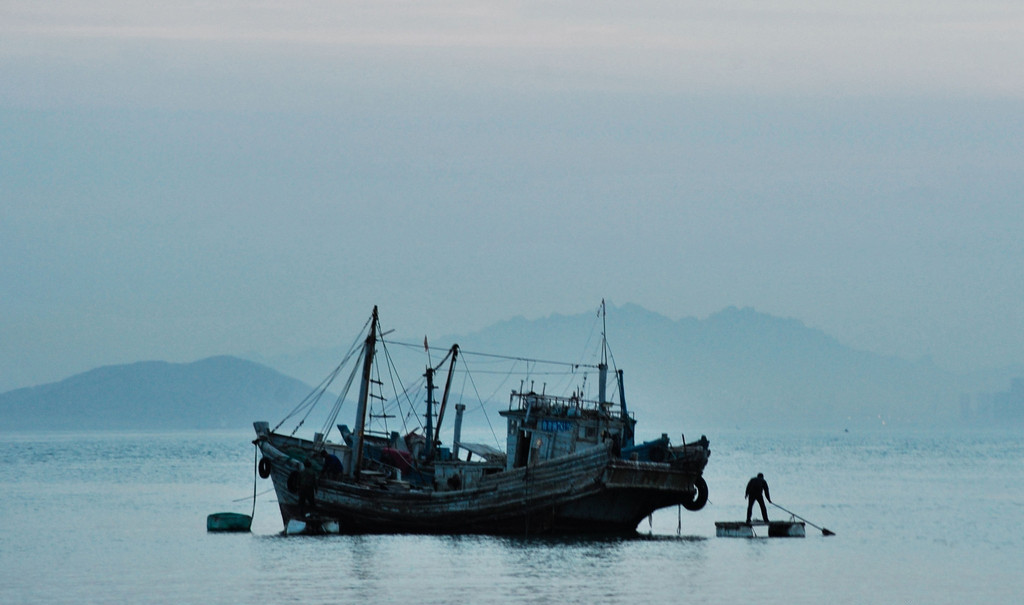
228	522
759	529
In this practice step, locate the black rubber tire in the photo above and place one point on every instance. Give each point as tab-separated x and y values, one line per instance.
264	468
700	498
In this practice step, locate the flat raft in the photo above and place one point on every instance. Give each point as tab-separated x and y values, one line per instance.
759	529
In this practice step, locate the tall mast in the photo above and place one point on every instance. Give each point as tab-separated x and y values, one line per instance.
429	424
627	440
364	395
602	367
447	390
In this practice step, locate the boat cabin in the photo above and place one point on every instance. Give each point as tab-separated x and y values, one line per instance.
542	427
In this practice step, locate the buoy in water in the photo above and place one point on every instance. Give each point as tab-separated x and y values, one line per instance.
228	522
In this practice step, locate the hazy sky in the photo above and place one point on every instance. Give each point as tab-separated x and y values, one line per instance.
182	179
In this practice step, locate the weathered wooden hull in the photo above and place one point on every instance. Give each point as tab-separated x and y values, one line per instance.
589	491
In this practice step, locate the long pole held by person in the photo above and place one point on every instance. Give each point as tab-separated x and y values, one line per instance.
824	531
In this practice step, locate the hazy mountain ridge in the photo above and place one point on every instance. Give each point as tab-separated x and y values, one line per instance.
736	368
217	392
739	367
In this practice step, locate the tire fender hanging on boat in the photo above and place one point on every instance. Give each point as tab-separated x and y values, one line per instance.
264	468
700	496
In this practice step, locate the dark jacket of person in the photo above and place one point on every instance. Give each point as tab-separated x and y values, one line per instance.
757	486
332	465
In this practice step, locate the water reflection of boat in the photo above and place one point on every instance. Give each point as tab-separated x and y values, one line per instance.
570	464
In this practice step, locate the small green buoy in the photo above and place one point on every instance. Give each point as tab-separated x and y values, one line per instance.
235	522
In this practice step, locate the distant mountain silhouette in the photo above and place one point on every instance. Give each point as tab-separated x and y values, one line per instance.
219	392
741	368
737	368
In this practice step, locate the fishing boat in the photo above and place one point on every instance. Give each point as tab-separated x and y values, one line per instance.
570	464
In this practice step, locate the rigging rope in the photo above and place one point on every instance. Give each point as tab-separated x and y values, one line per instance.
393	375
484	409
403	393
498	356
332	417
313	397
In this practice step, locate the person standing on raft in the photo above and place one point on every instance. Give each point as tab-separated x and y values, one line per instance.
755	488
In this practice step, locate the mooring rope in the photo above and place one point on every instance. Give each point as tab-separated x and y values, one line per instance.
263	493
255	468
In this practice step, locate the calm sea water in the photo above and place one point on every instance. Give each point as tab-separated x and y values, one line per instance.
120	518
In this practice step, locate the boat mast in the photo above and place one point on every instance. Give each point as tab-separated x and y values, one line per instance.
429	424
602	367
627	427
457	437
447	390
364	395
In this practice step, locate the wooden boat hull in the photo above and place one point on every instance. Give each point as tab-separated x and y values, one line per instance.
590	491
760	529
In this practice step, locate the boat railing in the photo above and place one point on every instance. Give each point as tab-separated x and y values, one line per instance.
555	405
